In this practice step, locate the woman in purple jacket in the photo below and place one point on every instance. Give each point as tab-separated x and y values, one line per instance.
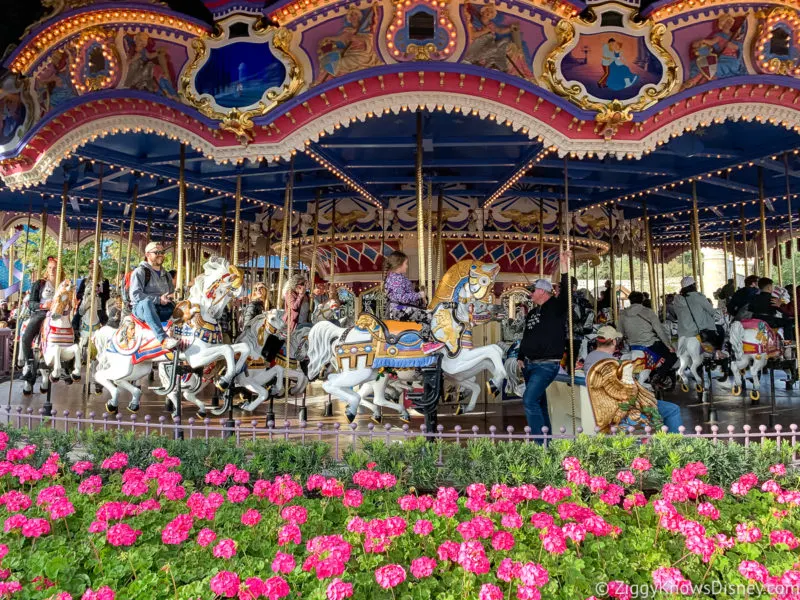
404	303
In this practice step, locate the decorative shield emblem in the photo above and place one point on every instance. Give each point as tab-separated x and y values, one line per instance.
611	64
240	73
707	64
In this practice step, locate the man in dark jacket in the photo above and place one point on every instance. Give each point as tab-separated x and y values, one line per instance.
741	299
542	346
765	307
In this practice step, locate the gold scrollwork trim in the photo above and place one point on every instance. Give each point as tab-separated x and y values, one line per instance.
769	20
610	114
237	121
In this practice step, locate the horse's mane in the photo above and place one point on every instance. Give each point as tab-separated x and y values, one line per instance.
446	287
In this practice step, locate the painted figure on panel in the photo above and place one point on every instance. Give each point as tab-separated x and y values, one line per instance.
12	111
53	85
353	48
149	66
494	43
719	55
617	75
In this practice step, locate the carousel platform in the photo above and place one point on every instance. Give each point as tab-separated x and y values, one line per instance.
724	411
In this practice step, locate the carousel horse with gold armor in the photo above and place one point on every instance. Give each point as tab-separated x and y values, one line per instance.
132	349
57	346
366	352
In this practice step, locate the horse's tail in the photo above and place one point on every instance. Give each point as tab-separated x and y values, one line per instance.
737	339
320	340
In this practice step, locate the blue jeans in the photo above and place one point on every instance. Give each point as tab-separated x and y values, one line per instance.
538	376
154	314
671	414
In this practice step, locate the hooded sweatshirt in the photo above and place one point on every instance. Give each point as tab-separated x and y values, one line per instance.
641	326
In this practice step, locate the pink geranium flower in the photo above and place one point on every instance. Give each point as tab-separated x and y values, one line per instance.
115	462
339	590
390	576
225	549
122	534
422	567
283	563
225	584
251	517
206	537
103	593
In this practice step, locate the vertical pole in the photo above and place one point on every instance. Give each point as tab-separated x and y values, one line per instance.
744	238
314	244
725	256
119	253
663	296
95	267
733	256
764	248
180	267
630	257
77	250
568	291
420	208
130	229
331	289
17	327
794	260
594	268
696	266
236	222
287	217
429	265
42	235
149	233
268	259
223	242
651	273
613	303
62	226
439	252
779	259
541	238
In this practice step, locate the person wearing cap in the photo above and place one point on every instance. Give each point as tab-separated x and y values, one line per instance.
738	306
766	307
542	346
695	314
641	327
152	295
607	340
42	293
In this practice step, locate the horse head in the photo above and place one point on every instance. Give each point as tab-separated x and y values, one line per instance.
327	311
62	299
466	281
782	294
216	287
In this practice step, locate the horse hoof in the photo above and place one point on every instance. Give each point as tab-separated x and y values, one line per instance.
111	408
52	378
459	410
75	377
98	389
133	407
351	417
222	385
699	389
406	418
755	396
736	390
202	414
27	392
68	380
42	390
684	388
377	419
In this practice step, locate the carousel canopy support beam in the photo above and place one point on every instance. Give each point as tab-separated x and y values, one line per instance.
525	164
315	149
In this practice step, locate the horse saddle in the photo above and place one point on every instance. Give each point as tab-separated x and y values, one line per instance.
767	339
394	344
136	339
648	362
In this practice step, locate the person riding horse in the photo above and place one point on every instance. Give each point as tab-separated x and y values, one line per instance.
41	297
696	316
103	291
152	293
765	307
641	327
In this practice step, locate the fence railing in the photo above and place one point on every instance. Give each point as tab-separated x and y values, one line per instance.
343	436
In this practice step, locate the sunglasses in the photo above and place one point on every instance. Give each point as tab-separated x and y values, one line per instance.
157	252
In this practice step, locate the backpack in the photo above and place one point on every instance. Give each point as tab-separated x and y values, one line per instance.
125	292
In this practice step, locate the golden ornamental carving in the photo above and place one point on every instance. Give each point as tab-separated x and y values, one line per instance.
611	114
769	21
239	121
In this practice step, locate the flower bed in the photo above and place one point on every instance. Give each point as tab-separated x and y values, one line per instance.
124	525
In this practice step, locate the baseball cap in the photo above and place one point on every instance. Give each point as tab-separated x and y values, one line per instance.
541	284
607	332
152	247
687	281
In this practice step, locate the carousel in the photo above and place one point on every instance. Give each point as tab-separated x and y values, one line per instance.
288	151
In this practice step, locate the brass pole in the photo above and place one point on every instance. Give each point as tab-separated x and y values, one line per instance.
663	292
42	235
268	265
439	251
315	246
95	269
733	255
764	248
744	240
179	251
62	226
725	256
696	266
651	274
613	300
287	219
130	229
429	266
794	261
331	290
568	291
383	252
237	222
77	250
420	208
223	243
594	267
779	259
541	238
119	253
630	257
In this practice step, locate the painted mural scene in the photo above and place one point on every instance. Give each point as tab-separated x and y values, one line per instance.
453	299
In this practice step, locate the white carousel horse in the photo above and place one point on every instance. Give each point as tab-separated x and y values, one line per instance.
57	341
360	353
692	354
257	373
128	355
754	343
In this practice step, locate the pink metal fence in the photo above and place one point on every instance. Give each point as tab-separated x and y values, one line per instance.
341	437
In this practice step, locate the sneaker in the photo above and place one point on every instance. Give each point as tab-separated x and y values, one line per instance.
430	347
169	343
